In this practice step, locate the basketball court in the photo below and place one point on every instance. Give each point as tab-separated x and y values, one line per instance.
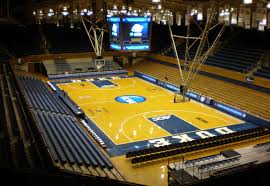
131	112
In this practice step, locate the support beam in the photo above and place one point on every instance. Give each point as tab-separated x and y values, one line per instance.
200	55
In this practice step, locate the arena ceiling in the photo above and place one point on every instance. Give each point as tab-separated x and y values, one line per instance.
172	5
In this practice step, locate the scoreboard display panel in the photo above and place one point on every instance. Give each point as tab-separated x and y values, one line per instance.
114	30
130	33
136	33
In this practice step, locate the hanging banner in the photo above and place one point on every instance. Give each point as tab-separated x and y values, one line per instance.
187	19
254	23
178	19
263	21
200	14
247	18
234	16
209	11
170	20
221	15
259	12
268	21
241	15
158	18
227	11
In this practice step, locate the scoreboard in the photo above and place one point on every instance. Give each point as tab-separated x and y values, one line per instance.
130	33
114	30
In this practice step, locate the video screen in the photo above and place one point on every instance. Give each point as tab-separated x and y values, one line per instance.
130	33
114	30
136	33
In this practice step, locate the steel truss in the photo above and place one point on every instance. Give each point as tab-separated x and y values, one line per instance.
192	66
95	35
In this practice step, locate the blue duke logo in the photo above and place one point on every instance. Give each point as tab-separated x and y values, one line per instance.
130	99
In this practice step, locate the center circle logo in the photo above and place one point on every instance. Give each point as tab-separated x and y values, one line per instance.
130	99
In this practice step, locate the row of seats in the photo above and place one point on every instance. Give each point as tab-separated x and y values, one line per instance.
203	160
181	148
235	59
87	74
66	40
244	47
21	40
93	133
71	104
67	142
256	102
223	162
62	66
143	152
18	147
264	72
266	144
39	97
233	54
3	55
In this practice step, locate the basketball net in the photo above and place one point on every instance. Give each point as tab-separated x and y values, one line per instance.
99	67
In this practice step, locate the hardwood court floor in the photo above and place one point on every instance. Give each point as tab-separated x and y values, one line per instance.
125	119
129	120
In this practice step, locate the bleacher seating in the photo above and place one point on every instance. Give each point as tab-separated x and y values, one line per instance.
21	40
67	142
242	52
239	52
154	153
246	99
264	72
86	74
194	32
66	40
80	68
24	40
39	97
18	146
3	55
237	59
160	39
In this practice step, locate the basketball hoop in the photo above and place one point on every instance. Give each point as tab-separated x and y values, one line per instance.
98	67
99	63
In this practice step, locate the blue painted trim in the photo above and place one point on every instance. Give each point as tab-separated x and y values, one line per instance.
173	124
136	19
86	74
212	103
226	79
117	150
134	99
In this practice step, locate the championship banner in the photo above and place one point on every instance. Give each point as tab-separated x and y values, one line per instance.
268	21
259	12
170	20
178	19
254	23
234	16
221	15
247	18
263	21
209	11
241	15
187	19
158	18
200	14
264	17
227	12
